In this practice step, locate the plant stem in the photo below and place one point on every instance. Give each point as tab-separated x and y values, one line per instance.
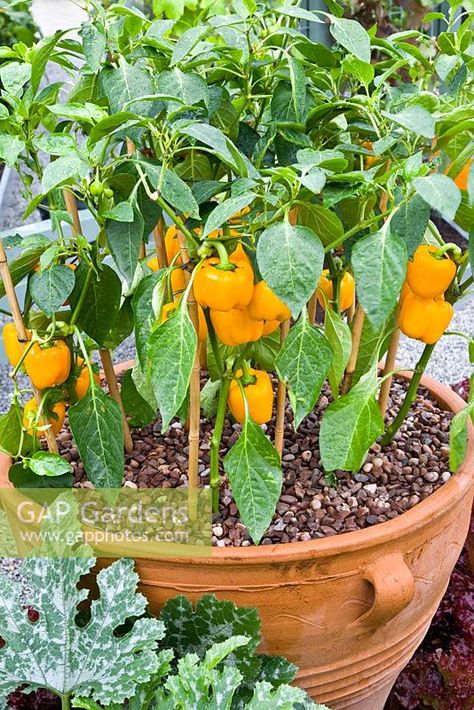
160	245
358	228
213	341
82	297
65	702
216	441
281	399
410	395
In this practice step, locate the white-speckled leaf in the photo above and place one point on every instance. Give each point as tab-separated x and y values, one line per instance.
56	653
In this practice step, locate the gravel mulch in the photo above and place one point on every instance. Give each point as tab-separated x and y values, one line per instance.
392	481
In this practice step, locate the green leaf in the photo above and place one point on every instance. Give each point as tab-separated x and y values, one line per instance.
373	343
10	148
227	209
187	42
362	71
265	350
458	435
171	353
125	86
43	463
64	170
210	398
89	113
94	43
11	425
352	36
195	630
178	194
96	425
290	259
91	659
40	55
101	305
138	410
322	221
124	239
253	467
123	326
300	13
196	167
142	304
188	89
440	192
121	212
14	77
50	288
314	180
221	145
24	265
410	223
55	144
350	426
298	87
23	477
379	262
303	363
339	336
416	119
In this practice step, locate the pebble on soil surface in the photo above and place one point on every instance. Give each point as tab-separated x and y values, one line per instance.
391	481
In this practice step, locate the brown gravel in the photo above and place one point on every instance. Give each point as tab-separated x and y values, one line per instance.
391	481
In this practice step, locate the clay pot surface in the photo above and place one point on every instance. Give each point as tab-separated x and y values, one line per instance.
348	610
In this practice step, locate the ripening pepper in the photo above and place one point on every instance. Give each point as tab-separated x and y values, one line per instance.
425	319
461	179
259	395
369	160
265	304
56	422
221	289
270	326
346	290
178	281
169	308
428	275
83	380
48	365
235	327
13	348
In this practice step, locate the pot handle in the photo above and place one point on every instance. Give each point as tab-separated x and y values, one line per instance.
394	588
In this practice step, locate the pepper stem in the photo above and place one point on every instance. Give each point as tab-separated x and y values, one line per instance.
224	263
450	246
410	395
216	441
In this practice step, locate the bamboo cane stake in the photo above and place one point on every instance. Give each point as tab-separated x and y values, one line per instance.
130	151
105	355
159	235
281	399
358	324
312	307
195	384
389	365
109	372
22	335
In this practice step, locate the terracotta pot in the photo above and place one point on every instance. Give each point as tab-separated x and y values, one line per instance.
348	610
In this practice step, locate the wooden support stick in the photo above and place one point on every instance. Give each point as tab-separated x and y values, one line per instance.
195	384
105	355
389	366
71	206
109	372
21	333
281	399
159	234
358	324
312	306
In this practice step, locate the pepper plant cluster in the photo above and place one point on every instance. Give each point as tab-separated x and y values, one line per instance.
275	174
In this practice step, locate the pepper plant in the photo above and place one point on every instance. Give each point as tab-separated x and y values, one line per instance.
275	173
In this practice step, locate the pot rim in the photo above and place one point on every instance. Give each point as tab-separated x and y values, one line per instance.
437	504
